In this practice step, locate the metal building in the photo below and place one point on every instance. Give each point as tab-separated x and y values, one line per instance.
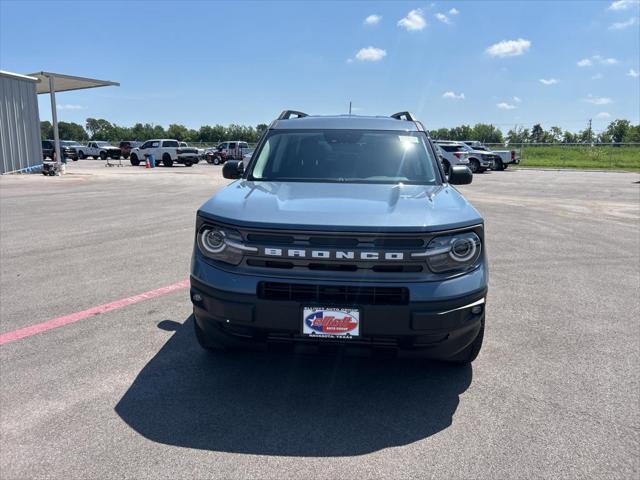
20	146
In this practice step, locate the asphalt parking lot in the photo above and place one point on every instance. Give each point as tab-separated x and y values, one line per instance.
128	393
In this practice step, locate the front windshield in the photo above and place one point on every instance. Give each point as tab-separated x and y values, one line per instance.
68	143
367	156
102	144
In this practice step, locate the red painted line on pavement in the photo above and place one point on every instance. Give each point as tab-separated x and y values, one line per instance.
74	317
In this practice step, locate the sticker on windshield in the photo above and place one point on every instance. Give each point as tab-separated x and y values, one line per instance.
408	139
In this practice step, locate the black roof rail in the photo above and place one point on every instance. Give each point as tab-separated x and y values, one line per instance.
287	114
404	116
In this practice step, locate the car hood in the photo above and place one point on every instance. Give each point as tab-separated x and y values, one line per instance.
340	206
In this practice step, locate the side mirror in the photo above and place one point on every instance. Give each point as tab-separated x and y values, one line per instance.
232	169
460	175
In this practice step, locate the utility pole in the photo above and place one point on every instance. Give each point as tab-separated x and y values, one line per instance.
590	133
349	107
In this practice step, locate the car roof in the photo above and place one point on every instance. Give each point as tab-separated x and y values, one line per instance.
345	122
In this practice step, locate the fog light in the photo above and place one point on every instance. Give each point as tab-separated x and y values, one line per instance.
197	297
476	310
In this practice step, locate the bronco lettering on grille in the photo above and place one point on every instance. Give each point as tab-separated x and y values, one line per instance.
332	254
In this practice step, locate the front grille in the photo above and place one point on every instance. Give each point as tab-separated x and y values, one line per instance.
332	294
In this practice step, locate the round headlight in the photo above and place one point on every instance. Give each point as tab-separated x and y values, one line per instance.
213	240
462	249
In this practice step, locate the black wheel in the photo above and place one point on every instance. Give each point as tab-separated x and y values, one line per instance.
103	155
209	160
504	167
470	353
75	159
188	163
474	165
208	342
80	154
499	165
126	156
166	160
216	160
135	161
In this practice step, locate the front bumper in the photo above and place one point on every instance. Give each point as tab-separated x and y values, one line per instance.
436	321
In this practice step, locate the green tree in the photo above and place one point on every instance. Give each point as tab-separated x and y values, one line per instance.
71	131
46	130
179	132
99	129
618	129
537	133
632	135
486	133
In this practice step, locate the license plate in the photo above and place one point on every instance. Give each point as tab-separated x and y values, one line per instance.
331	322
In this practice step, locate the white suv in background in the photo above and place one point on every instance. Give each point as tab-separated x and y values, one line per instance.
451	154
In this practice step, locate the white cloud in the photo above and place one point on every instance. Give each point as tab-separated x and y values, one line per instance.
67	106
597	76
623	25
603	115
517	99
588	62
604	61
443	18
371	54
373	19
505	106
598	100
548	81
509	48
453	95
453	11
623	4
633	73
413	21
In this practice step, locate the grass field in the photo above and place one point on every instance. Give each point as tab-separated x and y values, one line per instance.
578	156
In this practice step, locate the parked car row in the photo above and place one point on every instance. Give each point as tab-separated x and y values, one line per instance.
474	155
165	151
232	150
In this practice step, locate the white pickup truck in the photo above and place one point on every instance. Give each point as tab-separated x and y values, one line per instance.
167	151
97	149
507	157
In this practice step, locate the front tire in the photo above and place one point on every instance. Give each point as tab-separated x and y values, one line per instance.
216	160
474	165
135	161
103	155
188	163
81	155
166	160
499	165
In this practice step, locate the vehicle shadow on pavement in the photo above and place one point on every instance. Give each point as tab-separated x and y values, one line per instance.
284	404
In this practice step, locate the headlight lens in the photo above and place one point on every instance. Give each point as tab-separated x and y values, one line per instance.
457	252
222	245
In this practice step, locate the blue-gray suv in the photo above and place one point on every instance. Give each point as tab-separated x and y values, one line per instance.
342	230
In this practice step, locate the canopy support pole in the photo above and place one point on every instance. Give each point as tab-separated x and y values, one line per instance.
54	117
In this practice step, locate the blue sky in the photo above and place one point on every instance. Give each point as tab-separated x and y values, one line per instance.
450	63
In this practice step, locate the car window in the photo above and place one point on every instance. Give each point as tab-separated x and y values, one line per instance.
154	144
170	143
351	156
452	148
232	145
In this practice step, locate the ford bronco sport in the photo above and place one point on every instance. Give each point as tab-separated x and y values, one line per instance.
341	230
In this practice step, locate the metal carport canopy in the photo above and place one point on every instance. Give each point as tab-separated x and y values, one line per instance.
51	83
